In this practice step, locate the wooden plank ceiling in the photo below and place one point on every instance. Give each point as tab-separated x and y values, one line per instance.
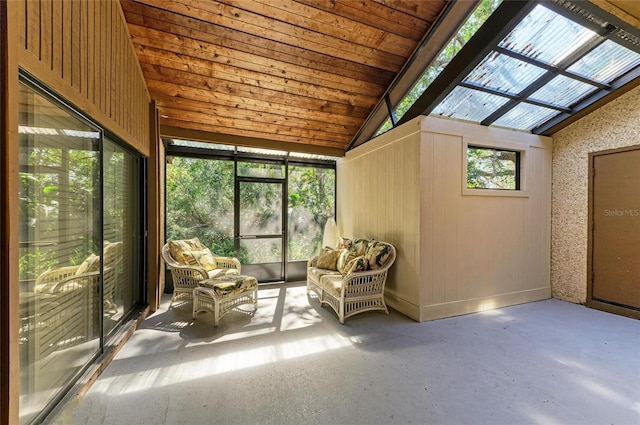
306	72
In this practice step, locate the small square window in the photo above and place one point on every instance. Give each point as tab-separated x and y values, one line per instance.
492	168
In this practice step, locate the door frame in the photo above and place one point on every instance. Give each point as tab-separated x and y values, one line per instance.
283	231
590	302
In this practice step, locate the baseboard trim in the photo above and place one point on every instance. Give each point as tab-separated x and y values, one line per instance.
410	310
458	308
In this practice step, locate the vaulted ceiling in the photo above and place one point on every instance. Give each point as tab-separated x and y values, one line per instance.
305	72
301	75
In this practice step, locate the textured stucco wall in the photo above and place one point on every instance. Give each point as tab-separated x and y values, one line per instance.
615	125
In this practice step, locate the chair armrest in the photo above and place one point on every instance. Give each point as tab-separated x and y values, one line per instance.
228	263
55	275
68	283
195	272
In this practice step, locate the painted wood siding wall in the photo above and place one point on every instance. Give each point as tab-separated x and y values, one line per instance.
457	253
82	50
378	196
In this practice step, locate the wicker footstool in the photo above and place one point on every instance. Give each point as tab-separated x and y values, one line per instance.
222	294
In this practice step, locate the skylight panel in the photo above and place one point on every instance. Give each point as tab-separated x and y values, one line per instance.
546	36
504	73
525	116
606	62
468	104
563	91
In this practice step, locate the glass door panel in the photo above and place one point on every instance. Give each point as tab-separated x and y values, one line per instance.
60	250
260	229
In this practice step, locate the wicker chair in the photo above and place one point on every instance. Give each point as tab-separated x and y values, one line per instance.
187	277
354	292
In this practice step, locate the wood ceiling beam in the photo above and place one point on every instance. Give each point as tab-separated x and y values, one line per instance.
177	132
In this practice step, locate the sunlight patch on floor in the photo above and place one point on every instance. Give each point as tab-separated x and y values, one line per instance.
220	364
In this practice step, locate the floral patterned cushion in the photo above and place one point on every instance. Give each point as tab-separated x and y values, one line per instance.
344	243
328	258
177	247
377	255
230	285
359	246
222	272
358	264
344	260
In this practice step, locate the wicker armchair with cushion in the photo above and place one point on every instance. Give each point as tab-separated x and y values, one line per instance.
191	263
351	277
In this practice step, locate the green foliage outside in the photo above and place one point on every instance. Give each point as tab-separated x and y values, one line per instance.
475	21
200	203
491	169
56	217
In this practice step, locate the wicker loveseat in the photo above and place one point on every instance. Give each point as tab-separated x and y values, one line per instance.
191	262
351	277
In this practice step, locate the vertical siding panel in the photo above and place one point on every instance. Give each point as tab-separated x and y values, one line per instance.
113	36
90	51
33	27
105	10
84	48
21	10
46	33
58	50
76	39
65	17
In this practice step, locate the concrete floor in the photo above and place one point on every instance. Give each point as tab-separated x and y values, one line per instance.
293	363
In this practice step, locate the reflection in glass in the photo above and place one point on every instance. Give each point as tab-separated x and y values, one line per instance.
60	249
311	203
121	233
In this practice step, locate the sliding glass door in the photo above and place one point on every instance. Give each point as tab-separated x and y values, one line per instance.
80	265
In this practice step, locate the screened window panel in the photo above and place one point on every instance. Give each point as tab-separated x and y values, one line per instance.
525	116
543	35
606	62
260	169
311	204
468	104
199	202
260	208
504	73
563	91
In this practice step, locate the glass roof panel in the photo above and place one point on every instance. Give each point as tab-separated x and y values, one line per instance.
468	104
525	116
543	35
504	73
606	62
563	91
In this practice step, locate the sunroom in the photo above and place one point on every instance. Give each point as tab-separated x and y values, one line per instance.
494	144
